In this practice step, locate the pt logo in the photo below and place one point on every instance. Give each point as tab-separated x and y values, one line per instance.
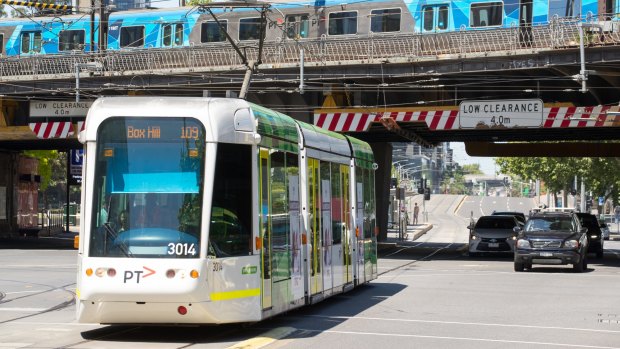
130	274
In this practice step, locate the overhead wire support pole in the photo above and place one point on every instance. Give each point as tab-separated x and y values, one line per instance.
250	65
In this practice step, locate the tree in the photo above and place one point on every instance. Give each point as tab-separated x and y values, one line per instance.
473	169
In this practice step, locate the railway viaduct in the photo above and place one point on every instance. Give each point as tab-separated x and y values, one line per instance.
404	87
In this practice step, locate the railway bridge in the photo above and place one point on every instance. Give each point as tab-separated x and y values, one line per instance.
381	88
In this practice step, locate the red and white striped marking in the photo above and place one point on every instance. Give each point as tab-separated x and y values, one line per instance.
47	130
553	117
81	126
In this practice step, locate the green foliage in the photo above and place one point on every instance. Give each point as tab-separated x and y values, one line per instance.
472	169
197	2
46	160
600	175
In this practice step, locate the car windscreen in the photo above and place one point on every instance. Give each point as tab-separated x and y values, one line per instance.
549	223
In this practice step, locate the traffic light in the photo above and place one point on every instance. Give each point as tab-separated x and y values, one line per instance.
427	193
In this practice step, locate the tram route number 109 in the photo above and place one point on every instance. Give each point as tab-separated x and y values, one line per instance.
181	249
190	132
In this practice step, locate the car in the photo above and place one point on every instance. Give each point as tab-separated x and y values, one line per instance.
595	235
519	215
551	238
492	233
605	231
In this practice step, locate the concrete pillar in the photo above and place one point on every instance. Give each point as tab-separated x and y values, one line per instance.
383	158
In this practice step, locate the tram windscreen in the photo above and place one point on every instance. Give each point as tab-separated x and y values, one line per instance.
148	188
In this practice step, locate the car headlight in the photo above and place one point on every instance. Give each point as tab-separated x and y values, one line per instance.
473	237
594	236
571	244
522	243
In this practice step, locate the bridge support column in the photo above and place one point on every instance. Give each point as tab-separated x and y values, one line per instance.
383	158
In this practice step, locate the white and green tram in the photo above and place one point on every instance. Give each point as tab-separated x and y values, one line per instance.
214	210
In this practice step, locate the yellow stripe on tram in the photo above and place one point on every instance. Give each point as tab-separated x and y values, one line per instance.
224	296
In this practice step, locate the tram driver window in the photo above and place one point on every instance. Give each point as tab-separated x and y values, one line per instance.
231	212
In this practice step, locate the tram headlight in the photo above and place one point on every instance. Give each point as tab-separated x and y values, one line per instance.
100	272
111	272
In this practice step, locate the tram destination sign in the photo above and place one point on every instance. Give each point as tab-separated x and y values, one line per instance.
501	113
58	109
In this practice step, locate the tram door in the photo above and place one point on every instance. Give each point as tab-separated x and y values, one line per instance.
346	218
359	226
265	227
525	22
315	231
326	223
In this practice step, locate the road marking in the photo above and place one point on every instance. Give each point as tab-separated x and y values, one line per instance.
14	345
564	345
54	329
265	339
469	324
23	309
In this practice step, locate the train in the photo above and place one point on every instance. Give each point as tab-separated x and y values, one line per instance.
202	210
191	26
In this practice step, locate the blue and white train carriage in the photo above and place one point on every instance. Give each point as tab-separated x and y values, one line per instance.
187	26
208	211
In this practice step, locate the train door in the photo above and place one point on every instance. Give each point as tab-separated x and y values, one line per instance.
314	233
265	226
326	220
172	35
434	18
525	22
30	42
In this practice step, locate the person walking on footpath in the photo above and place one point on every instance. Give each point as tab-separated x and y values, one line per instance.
416	211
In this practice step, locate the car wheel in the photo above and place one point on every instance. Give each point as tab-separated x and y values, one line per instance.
528	266
518	266
581	266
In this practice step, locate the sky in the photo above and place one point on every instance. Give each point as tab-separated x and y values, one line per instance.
487	165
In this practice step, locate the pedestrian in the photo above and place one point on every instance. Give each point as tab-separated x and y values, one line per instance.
416	211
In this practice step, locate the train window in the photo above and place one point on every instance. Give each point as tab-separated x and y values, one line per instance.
486	14
211	31
1	43
297	26
428	19
387	20
167	35
31	42
342	23
442	18
71	40
132	36
249	28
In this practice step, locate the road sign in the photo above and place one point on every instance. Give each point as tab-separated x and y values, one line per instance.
58	109
501	113
77	159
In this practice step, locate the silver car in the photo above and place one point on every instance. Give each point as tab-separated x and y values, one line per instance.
492	234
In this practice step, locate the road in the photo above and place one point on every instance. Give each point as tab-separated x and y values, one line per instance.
429	295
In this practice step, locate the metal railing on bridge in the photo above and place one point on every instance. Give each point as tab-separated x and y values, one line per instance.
403	47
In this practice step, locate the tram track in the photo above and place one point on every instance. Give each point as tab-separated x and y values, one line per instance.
51	288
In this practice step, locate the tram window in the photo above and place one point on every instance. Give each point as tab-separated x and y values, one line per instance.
382	21
132	36
249	28
211	31
297	26
231	213
342	23
71	40
485	14
31	42
429	18
280	220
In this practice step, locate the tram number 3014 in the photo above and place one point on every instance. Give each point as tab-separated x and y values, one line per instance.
500	120
183	249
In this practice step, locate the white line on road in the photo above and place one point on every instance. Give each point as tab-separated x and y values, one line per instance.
564	345
469	323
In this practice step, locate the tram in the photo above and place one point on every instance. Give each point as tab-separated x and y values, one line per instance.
215	210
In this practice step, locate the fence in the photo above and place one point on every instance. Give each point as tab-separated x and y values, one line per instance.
55	220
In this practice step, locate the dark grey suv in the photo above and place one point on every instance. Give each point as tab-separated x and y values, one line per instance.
552	238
